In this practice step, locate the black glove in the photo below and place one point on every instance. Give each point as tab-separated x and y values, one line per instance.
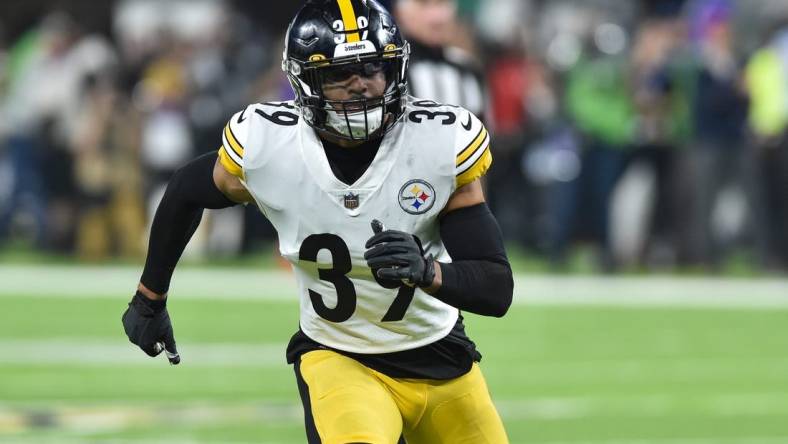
147	324
396	255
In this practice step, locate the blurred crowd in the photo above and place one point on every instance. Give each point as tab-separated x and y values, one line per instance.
652	133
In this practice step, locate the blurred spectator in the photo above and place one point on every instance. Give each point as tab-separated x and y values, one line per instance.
46	69
439	70
718	155
3	80
646	208
519	102
7	176
107	174
24	181
523	113
599	102
767	82
163	93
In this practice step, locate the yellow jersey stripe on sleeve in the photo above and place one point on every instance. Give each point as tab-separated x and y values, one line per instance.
233	141
231	153
477	170
469	150
230	164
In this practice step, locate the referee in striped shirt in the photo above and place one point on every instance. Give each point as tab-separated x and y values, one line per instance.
439	71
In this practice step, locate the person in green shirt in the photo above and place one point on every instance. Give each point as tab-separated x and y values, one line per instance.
598	103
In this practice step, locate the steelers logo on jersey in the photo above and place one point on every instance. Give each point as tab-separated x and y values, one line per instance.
416	196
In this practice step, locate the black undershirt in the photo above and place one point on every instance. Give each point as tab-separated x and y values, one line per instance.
446	358
349	163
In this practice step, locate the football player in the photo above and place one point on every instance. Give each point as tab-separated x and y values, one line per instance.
376	199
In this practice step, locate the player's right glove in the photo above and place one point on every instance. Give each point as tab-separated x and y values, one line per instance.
147	325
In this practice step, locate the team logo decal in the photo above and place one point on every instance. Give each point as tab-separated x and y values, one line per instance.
349	49
416	196
351	201
390	50
317	59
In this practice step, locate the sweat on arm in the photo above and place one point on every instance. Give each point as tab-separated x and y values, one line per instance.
479	278
191	189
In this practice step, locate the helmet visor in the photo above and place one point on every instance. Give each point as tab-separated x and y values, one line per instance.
342	75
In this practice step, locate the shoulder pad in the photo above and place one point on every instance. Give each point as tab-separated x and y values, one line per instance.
470	139
237	133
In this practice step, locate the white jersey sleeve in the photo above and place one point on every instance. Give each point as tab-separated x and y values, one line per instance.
235	138
248	138
472	148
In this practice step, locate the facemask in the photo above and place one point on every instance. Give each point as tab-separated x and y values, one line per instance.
360	127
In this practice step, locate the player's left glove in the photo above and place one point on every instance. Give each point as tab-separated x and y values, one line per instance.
396	255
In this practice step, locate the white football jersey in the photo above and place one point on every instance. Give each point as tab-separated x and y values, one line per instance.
323	223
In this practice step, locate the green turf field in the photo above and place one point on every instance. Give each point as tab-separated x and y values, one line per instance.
634	362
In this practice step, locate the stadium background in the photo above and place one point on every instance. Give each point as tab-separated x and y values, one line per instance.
640	178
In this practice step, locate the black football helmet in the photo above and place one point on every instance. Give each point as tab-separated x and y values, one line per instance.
330	40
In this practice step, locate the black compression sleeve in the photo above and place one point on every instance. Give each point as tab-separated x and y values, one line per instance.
479	279
190	190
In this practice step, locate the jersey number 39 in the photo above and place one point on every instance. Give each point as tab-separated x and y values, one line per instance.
337	275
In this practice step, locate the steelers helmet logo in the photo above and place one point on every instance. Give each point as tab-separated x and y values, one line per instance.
416	196
389	51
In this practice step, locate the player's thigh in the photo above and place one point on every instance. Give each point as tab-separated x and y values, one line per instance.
344	402
460	411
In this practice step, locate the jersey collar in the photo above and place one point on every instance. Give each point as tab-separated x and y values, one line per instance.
315	159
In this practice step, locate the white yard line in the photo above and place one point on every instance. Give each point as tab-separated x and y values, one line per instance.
652	291
731	405
548	290
120	281
96	352
89	352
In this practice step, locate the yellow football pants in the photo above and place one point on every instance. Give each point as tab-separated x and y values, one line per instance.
346	402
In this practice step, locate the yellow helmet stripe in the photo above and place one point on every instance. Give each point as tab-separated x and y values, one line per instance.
349	18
